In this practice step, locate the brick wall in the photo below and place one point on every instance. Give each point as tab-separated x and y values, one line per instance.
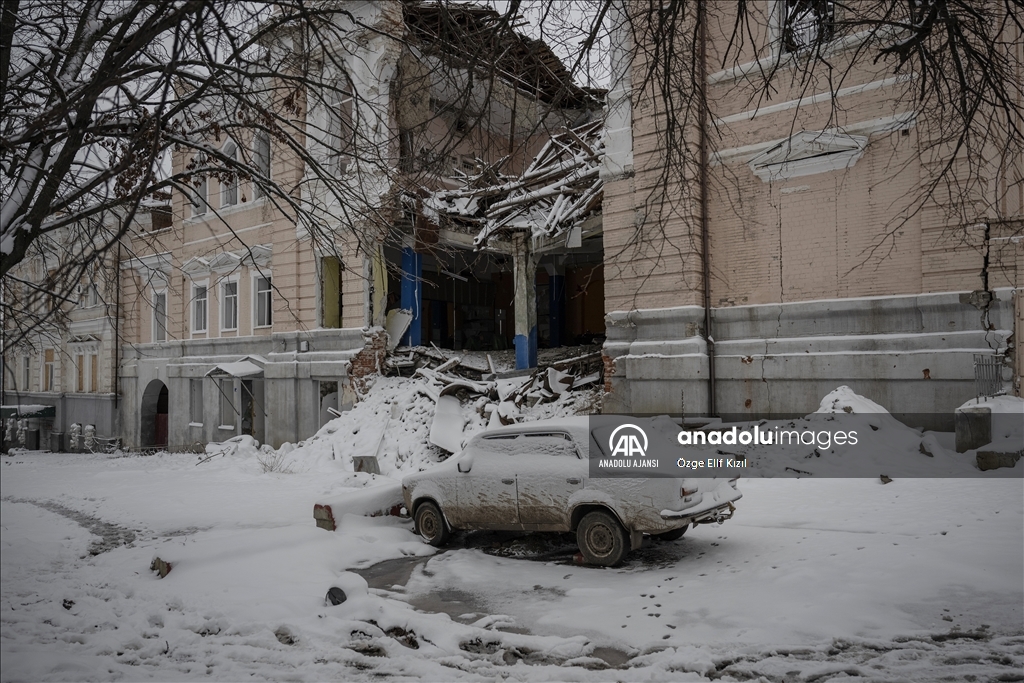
370	359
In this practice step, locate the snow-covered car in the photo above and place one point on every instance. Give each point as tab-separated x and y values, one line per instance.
536	477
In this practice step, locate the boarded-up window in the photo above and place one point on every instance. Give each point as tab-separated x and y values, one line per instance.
80	366
94	373
330	291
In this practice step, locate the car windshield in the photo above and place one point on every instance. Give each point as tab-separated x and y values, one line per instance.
533	444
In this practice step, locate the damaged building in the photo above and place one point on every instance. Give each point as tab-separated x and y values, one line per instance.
241	322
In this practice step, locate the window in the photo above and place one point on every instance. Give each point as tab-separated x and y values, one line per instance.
195	401
26	372
227	403
264	312
80	365
806	23
229	306
229	181
199	308
261	160
94	294
340	129
160	317
94	373
200	196
330	291
48	370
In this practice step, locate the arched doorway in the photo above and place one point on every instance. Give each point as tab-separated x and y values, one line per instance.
154	415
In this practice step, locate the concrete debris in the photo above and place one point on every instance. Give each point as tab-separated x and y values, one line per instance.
160	567
454	381
552	198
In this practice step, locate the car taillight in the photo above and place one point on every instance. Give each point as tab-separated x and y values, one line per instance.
684	492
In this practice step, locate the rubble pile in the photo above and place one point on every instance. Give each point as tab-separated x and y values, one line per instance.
452	381
553	196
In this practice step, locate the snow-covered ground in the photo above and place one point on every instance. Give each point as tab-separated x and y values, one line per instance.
814	579
919	579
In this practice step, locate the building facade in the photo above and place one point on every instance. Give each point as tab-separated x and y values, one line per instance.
62	351
823	268
239	321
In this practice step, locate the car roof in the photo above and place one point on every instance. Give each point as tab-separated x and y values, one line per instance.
577	426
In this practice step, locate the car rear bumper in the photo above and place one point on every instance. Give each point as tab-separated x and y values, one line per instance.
714	506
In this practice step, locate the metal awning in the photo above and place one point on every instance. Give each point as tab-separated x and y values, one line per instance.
240	369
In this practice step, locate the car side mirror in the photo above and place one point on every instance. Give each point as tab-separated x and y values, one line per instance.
465	465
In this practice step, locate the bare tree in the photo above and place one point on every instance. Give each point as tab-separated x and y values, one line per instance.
96	96
99	96
957	64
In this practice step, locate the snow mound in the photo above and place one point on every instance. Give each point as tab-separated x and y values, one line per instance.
997	404
845	400
396	413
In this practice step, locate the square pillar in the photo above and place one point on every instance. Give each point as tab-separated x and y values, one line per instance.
525	280
412	294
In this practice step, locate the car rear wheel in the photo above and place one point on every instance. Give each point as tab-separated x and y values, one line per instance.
673	535
602	539
430	524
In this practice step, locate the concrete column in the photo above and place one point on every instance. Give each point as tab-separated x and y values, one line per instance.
556	308
525	304
412	293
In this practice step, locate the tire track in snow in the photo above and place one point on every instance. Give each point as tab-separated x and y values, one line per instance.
111	535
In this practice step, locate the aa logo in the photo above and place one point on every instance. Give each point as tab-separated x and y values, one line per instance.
628	440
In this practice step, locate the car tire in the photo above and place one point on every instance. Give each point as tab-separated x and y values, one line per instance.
673	535
431	525
602	539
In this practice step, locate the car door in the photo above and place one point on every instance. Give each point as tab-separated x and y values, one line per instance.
486	494
549	470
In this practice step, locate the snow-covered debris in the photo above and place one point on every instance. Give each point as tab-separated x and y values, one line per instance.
880	445
560	188
407	445
845	400
993	428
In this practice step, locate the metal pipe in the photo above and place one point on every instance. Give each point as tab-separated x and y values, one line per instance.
702	55
116	370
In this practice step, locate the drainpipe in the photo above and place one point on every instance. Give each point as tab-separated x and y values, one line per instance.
702	71
116	370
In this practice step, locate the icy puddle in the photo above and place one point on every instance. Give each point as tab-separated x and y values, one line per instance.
462	606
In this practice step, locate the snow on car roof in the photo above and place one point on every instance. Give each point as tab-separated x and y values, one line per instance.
577	426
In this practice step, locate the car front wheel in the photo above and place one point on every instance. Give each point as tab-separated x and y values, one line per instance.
430	524
602	539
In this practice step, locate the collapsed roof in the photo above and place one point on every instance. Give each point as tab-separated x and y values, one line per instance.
559	189
482	39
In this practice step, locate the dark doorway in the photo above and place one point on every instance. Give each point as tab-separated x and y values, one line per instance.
253	417
153	432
